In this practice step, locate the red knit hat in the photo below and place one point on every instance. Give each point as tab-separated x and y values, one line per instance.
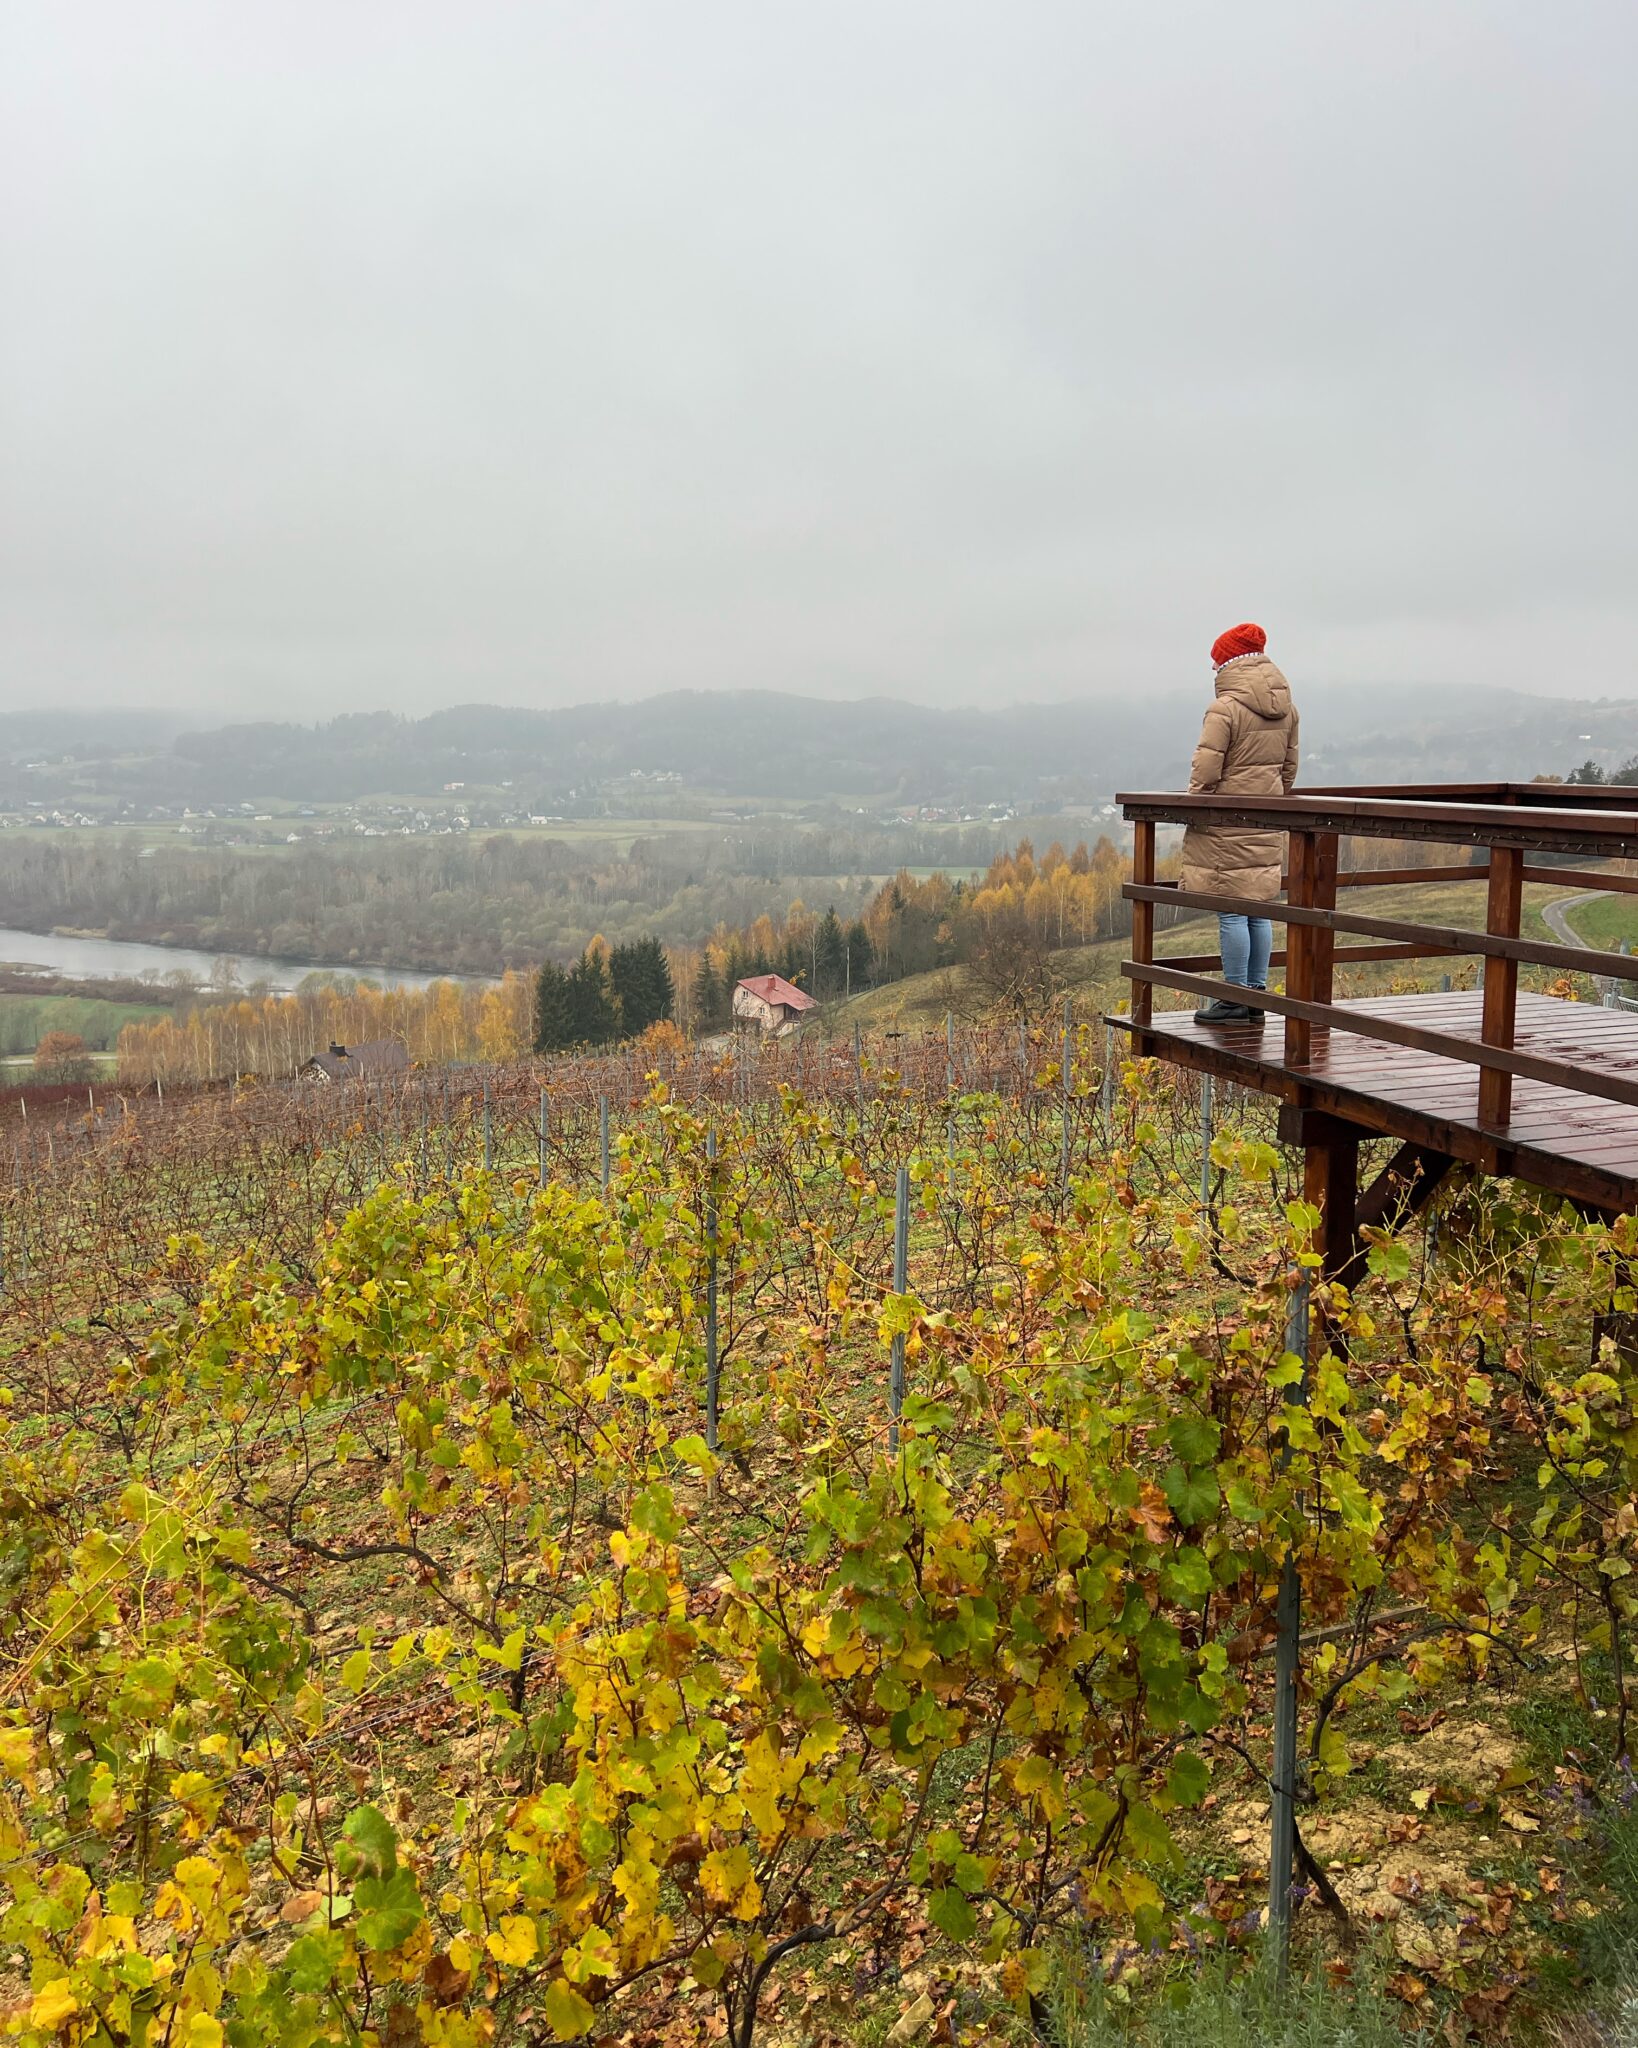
1237	640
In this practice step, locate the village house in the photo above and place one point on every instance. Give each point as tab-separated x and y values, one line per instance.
375	1058
770	1004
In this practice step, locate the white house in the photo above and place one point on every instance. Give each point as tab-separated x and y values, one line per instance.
771	1004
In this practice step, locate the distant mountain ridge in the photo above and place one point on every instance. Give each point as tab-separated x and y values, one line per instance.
740	745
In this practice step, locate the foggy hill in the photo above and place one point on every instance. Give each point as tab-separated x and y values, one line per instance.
764	744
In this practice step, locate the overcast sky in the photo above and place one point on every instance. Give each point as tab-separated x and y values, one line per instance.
378	352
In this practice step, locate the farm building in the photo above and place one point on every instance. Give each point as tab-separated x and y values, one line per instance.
771	1004
378	1056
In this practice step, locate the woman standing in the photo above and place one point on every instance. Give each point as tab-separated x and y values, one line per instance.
1248	747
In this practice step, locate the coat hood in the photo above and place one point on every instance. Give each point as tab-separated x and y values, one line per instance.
1256	683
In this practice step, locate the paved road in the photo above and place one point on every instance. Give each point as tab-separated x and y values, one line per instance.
1559	925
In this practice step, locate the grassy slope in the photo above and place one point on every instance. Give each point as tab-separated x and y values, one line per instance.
1090	975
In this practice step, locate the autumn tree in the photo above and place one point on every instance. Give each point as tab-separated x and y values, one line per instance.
1012	964
504	1018
63	1056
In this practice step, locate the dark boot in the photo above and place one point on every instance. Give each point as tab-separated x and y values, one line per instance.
1224	1013
1258	1013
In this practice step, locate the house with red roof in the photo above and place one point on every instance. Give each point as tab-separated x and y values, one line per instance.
771	1004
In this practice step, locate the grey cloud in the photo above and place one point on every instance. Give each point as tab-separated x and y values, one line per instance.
415	353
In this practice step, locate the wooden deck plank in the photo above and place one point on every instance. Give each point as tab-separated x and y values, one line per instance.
1576	1143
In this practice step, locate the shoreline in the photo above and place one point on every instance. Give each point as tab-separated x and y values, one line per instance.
198	963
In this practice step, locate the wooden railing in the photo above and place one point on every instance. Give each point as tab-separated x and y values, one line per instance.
1519	826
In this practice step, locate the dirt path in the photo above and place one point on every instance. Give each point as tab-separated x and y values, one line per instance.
1553	916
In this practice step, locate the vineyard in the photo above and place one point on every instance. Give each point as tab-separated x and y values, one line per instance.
803	1549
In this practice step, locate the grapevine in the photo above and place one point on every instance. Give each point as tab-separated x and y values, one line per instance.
327	1446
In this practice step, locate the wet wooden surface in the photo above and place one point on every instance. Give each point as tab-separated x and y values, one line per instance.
1574	1143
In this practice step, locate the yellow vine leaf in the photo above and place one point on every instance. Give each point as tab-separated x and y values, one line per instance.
516	1941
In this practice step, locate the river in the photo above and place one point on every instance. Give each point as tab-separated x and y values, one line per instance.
86	959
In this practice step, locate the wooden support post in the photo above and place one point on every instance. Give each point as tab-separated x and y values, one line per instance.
1402	1190
1143	919
1299	976
1309	949
1501	980
1330	1180
1322	893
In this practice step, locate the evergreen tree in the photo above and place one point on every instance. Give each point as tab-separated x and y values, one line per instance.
640	983
625	991
709	996
861	957
553	1020
591	1015
830	956
662	990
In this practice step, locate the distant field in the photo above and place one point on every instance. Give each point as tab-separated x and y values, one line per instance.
616	832
149	832
24	1020
271	837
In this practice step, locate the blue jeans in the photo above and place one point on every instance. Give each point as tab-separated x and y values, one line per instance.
1246	943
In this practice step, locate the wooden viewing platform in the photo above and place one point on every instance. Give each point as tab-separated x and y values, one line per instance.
1529	1085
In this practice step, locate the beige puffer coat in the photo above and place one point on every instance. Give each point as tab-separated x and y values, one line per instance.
1248	747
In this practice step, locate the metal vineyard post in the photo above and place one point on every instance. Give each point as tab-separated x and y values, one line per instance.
712	1367
901	1278
949	1091
1282	1836
1205	1146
